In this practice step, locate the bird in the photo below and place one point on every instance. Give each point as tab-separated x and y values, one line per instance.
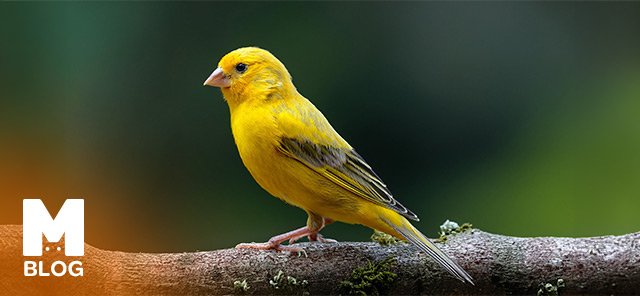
293	153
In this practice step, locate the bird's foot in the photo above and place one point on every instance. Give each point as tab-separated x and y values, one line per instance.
291	236
314	237
275	242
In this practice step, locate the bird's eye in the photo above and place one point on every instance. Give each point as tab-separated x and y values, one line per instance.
241	68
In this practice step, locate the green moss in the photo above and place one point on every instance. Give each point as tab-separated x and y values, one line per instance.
549	289
288	284
373	279
239	286
383	238
452	228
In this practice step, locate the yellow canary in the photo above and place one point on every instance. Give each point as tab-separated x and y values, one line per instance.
292	151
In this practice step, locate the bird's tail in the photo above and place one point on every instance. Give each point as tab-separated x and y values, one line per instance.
414	236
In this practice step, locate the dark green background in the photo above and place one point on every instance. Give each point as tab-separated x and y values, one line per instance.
521	118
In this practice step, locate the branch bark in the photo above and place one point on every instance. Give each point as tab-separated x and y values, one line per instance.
499	265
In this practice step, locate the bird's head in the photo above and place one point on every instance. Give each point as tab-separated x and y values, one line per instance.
251	74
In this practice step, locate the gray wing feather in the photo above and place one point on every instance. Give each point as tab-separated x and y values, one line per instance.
346	168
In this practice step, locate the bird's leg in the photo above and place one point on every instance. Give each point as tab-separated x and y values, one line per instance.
315	236
314	224
275	242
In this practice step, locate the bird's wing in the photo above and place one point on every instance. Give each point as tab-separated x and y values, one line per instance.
309	138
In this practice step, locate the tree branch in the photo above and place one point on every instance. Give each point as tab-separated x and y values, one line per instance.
499	265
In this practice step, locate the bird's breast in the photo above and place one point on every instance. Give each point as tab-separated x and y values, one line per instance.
257	137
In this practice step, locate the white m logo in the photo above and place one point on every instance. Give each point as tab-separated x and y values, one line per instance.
37	221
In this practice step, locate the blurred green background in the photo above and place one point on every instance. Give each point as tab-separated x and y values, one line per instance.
521	118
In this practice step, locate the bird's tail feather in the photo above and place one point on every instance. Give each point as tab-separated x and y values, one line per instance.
414	236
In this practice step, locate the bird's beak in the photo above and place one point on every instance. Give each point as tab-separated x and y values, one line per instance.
217	78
